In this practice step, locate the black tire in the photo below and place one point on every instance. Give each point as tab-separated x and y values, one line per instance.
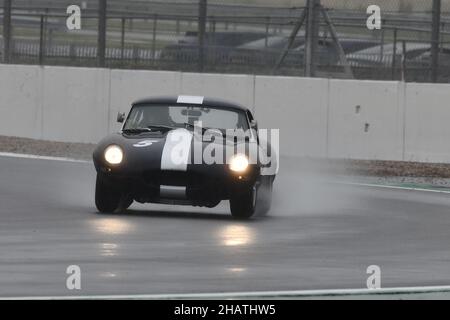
125	202
107	198
244	205
264	200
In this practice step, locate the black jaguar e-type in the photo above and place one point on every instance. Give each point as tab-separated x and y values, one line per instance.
186	150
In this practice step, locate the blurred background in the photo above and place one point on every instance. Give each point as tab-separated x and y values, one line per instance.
327	38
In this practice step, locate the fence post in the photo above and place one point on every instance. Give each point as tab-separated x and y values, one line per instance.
266	39
404	61
312	31
41	41
382	43
122	40
435	39
72	52
394	55
213	25
201	34
135	56
101	45
178	26
155	25
6	31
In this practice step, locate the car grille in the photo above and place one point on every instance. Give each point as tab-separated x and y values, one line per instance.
172	178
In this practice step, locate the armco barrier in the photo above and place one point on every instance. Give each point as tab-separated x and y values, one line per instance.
316	117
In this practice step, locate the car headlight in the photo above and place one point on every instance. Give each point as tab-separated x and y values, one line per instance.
113	154
238	163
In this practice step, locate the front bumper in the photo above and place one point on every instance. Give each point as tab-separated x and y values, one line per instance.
203	185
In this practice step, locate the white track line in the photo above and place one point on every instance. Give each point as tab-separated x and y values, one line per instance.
261	294
391	187
33	156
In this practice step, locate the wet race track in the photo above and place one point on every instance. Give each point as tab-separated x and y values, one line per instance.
317	236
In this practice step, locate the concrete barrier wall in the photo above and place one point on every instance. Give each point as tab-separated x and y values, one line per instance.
21	101
76	104
427	123
316	117
365	120
298	107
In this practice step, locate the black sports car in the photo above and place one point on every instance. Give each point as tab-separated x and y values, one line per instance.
186	150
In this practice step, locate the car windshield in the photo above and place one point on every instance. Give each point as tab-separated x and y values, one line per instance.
148	116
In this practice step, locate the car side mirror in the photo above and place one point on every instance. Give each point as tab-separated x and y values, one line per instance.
121	117
254	128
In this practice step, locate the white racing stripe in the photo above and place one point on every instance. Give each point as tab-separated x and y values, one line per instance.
177	150
33	156
255	294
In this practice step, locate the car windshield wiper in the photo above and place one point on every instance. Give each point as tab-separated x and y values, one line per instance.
193	126
151	128
159	128
136	130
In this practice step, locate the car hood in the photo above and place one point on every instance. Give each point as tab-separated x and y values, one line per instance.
173	150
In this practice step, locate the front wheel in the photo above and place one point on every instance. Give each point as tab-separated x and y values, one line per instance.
243	206
107	198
